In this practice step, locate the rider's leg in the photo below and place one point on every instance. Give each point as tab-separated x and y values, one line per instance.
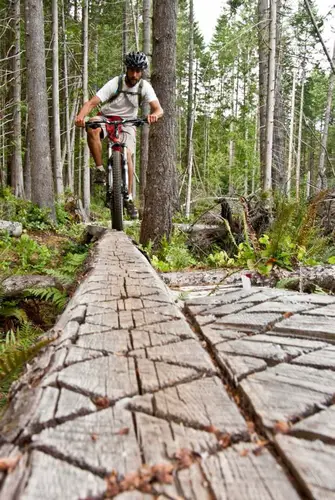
94	143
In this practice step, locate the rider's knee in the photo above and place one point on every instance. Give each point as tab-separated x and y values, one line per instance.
94	133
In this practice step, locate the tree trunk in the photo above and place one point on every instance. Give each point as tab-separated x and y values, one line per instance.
291	140
145	128
125	30
263	51
322	180
70	174
86	165
40	155
267	181
278	155
16	164
160	193
190	110
57	160
298	166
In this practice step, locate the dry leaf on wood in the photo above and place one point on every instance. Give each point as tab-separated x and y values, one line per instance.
101	402
225	440
123	432
282	427
244	453
185	458
9	463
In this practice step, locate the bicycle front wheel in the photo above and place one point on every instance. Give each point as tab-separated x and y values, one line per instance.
117	197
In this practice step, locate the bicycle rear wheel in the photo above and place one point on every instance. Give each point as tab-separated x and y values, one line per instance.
117	197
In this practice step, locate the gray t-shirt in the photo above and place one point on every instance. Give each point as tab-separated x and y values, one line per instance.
125	105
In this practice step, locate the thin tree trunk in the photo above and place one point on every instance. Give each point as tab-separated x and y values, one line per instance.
322	180
57	161
86	164
40	154
135	25
190	110
125	29
16	164
145	128
263	44
291	140
161	190
298	167
267	183
278	163
70	179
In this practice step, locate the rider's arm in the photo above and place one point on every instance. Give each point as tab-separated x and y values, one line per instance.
86	109
156	111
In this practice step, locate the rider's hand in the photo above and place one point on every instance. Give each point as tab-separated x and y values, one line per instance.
152	118
80	121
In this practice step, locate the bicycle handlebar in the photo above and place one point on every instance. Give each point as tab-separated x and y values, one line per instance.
134	121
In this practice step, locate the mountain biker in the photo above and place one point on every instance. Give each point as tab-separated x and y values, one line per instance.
121	97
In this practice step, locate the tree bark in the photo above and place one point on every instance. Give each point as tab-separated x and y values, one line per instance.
145	128
16	163
160	193
57	160
322	179
298	166
267	181
190	111
42	192
263	51
86	165
291	139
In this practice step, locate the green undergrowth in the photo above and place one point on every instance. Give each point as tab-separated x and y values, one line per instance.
294	239
45	248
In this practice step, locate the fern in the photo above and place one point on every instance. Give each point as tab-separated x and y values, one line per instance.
13	359
50	294
62	277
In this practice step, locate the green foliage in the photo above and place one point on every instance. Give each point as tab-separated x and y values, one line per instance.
51	294
173	255
30	215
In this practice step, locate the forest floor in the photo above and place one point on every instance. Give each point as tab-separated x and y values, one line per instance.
191	397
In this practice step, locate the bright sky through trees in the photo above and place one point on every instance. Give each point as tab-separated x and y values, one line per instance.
208	11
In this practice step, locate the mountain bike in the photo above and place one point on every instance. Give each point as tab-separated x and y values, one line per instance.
117	165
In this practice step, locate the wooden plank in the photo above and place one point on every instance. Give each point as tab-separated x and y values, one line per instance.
312	463
242	473
288	392
308	326
215	334
199	404
303	345
115	341
239	367
319	359
250	322
319	426
54	479
160	440
158	375
284	307
78	355
142	338
99	442
109	318
272	353
113	377
328	310
187	353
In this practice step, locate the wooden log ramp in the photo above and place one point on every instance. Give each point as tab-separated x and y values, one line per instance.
230	398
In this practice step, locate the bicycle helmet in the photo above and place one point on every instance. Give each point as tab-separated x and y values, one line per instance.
136	60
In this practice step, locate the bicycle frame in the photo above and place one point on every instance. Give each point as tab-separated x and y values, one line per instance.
116	152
